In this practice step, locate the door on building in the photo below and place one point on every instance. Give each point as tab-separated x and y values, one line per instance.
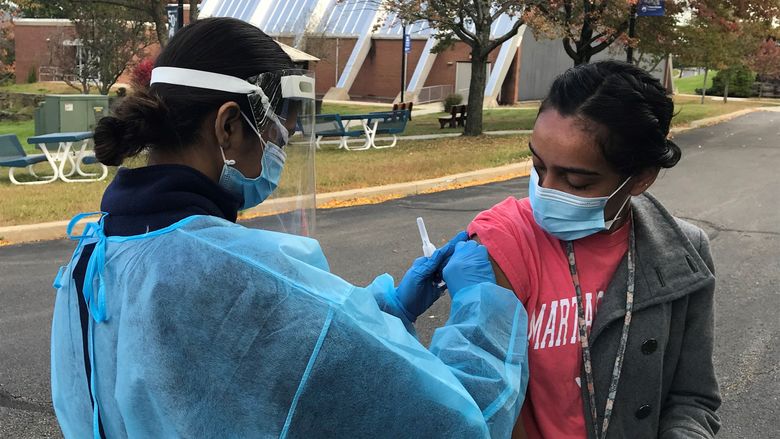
463	78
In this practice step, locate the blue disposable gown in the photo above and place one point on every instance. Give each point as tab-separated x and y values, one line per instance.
209	329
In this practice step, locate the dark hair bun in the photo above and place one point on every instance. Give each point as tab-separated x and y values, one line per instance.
671	156
138	122
170	117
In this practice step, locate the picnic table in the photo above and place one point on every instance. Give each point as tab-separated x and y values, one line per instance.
369	125
72	152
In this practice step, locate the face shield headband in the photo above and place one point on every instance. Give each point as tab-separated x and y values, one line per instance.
274	97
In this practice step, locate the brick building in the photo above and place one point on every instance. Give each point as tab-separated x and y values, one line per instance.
41	43
359	50
360	47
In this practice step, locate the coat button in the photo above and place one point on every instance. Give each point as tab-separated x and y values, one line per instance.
649	346
643	412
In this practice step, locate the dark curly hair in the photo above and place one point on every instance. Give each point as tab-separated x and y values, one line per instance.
627	109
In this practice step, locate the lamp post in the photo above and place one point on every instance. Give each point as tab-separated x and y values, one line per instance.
403	59
180	15
631	34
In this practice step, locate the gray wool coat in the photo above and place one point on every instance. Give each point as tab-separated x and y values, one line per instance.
668	387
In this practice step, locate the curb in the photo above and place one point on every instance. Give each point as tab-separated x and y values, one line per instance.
372	195
711	121
32	232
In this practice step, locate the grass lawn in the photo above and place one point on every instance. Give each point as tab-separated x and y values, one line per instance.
688	85
689	108
23	130
49	87
328	108
493	120
336	170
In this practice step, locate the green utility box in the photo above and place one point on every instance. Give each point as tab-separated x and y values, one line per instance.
69	113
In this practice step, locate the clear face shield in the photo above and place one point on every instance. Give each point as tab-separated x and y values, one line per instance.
290	125
282	106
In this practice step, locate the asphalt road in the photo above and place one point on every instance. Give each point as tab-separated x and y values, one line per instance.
727	183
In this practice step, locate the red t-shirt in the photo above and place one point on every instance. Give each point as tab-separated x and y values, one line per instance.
536	265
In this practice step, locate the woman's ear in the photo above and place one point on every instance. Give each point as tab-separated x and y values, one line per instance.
643	180
227	125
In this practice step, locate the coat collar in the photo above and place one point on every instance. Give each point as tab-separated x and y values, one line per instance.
668	266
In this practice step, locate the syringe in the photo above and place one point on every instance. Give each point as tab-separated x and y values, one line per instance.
427	246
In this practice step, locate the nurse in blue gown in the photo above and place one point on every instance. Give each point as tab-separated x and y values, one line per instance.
171	320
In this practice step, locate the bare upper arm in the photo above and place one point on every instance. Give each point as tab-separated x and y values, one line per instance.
501	278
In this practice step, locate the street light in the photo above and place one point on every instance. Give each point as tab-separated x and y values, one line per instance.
180	15
631	34
403	59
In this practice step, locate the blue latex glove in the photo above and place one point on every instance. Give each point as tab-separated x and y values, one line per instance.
468	266
420	286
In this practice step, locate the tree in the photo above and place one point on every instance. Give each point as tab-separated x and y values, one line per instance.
722	34
40	9
704	43
587	27
151	10
469	21
109	39
7	50
657	37
766	61
194	10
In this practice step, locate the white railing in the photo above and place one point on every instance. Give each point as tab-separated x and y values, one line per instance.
434	93
54	73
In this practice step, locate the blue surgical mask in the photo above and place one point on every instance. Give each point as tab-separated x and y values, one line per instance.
254	190
569	217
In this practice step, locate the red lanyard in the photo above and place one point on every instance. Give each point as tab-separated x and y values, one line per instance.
586	361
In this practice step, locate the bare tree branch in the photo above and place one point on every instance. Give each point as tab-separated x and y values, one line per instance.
606	43
500	11
570	50
463	27
507	36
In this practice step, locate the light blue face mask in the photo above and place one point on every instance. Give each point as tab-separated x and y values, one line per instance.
254	190
569	217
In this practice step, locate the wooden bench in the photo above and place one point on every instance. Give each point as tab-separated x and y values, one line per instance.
457	117
404	106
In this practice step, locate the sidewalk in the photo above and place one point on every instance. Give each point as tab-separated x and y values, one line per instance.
768	101
432	136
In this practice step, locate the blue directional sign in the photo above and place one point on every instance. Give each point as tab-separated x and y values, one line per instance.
173	15
650	8
407	43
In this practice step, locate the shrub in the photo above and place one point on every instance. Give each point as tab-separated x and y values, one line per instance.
451	101
26	113
142	74
740	80
32	75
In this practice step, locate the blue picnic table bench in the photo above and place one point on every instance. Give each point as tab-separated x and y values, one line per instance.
59	151
368	125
